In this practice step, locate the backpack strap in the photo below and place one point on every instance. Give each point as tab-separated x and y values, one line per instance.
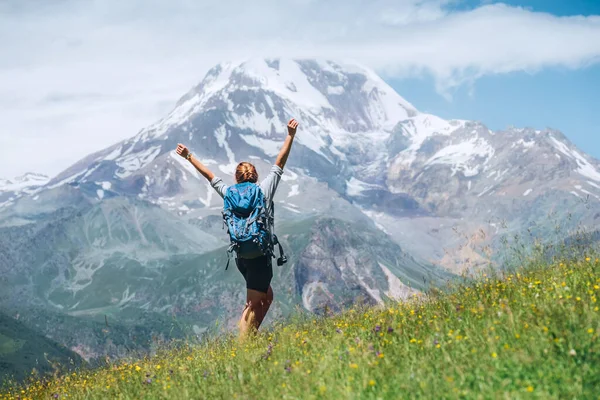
229	251
281	253
282	258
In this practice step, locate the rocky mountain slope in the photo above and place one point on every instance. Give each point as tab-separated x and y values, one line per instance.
376	200
419	177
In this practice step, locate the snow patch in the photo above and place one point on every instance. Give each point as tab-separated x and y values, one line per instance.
525	144
355	187
421	127
135	161
288	82
462	157
268	146
209	195
291	209
487	189
593	184
212	85
335	90
29	180
501	174
386	106
584	167
100	193
67	180
289	176
89	172
114	154
254	121
294	191
221	136
527	192
313	139
588	193
186	165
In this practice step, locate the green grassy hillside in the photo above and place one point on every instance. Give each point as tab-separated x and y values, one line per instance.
22	350
528	334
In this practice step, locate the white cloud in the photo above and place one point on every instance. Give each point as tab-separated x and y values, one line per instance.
79	76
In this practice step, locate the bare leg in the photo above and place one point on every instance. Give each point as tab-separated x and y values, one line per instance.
265	307
253	310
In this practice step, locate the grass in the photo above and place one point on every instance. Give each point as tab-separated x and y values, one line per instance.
531	333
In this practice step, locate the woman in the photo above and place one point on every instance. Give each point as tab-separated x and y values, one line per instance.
257	272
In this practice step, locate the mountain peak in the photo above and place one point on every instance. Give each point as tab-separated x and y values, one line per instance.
27	180
342	97
308	82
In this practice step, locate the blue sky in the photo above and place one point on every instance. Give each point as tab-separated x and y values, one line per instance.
559	98
76	77
555	98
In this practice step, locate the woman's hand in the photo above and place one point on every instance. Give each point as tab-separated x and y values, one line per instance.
292	125
287	144
182	150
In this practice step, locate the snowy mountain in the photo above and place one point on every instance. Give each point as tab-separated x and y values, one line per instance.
360	145
239	111
376	197
11	189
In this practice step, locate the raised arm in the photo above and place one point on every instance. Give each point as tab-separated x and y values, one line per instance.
185	153
287	144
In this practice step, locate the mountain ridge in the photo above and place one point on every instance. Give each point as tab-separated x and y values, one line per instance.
406	165
427	196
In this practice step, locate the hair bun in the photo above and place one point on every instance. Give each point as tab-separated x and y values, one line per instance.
246	172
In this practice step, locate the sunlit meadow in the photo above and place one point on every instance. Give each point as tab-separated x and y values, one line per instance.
529	333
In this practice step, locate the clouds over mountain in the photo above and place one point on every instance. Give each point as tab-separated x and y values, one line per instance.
116	66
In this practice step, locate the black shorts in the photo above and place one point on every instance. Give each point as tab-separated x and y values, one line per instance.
257	272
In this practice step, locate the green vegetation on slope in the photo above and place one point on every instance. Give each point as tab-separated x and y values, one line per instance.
528	334
22	350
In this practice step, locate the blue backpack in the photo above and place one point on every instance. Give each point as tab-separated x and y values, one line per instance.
245	216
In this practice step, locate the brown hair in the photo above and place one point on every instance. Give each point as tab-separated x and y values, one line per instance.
246	172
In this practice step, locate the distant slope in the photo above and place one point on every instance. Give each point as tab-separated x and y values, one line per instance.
22	349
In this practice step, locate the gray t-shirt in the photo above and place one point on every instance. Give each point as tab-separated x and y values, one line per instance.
267	185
